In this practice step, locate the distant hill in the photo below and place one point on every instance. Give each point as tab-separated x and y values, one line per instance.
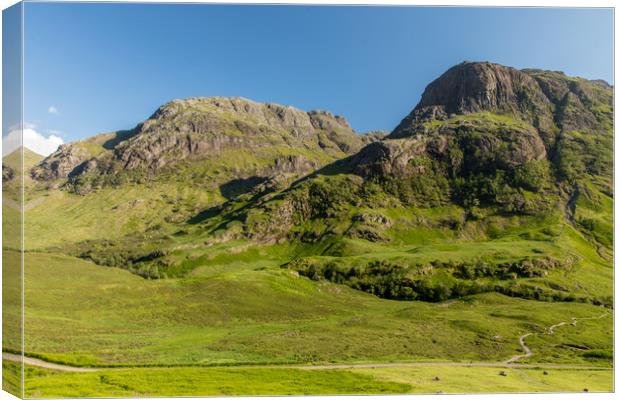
12	162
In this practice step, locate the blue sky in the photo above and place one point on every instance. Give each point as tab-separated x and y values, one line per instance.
92	68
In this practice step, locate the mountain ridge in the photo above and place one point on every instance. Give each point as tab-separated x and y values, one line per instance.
198	129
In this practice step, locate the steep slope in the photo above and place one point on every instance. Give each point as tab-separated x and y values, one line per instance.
548	100
12	165
13	160
473	87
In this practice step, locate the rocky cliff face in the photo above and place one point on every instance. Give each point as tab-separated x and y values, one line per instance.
578	104
473	87
549	101
486	117
198	129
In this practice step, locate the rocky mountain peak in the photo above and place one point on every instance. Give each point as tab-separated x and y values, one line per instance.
472	87
206	128
550	101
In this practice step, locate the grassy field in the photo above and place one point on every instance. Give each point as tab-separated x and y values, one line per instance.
290	381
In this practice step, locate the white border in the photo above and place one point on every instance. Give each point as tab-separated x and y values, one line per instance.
478	3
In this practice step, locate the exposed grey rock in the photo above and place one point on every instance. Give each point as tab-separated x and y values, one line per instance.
60	163
8	173
373	136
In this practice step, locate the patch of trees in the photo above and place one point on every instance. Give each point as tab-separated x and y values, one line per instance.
525	268
150	264
392	281
388	280
520	191
541	294
324	198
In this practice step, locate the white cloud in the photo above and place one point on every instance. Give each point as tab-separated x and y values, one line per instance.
53	110
33	140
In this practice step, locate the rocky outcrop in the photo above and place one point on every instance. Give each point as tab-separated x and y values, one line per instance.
387	158
324	120
473	87
578	103
483	144
374	136
8	173
60	163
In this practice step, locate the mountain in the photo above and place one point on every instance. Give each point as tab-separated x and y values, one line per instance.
12	165
499	180
14	159
211	139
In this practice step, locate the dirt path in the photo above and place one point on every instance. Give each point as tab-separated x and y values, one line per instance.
59	367
35	362
550	331
27	206
528	352
440	364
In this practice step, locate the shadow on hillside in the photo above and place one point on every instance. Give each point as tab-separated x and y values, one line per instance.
120	136
230	190
204	215
337	167
237	187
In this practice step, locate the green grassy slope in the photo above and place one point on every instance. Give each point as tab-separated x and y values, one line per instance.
271	316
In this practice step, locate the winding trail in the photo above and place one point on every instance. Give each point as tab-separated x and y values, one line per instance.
528	352
550	331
